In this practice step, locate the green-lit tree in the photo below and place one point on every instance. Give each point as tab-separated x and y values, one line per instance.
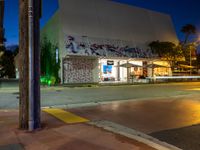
50	63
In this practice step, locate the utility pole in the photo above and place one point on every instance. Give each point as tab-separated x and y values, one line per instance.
190	62
2	5
29	53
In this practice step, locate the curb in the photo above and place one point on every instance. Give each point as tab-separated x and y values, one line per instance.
89	104
133	134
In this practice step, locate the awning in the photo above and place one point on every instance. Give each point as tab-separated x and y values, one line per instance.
129	65
155	66
186	66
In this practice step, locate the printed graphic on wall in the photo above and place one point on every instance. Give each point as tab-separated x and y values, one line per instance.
107	69
107	73
83	45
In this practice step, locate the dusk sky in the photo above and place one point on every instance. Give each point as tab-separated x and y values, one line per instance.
181	11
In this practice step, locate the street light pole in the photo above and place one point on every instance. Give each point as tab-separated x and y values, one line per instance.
2	5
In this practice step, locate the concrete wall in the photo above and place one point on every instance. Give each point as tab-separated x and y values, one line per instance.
52	29
111	20
95	71
105	19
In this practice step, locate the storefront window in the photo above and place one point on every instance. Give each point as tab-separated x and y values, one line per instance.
108	73
117	71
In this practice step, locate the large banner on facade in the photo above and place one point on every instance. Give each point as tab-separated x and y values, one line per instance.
88	46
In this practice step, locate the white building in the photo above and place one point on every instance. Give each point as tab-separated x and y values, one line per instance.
97	37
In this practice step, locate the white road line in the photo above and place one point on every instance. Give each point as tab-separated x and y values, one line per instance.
133	134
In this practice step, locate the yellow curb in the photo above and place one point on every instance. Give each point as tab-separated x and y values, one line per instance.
65	116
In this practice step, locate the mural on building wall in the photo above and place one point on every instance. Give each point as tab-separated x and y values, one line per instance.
77	45
78	70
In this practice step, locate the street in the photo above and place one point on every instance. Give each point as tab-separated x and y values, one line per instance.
164	111
74	96
147	116
175	120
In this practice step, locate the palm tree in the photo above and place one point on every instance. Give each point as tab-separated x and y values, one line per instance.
188	30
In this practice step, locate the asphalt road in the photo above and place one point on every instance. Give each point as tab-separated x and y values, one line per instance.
175	120
165	111
54	96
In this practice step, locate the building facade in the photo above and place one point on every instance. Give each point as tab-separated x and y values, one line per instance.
105	41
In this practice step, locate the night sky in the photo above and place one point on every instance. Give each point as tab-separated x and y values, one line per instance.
181	11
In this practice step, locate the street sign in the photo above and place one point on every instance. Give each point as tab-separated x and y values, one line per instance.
110	62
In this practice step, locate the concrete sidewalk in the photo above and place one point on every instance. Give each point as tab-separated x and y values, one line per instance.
56	135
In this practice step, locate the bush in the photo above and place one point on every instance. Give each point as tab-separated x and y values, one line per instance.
48	80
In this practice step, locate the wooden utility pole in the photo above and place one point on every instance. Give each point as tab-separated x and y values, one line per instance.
2	5
29	64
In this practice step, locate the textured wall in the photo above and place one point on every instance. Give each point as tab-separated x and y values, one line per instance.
79	70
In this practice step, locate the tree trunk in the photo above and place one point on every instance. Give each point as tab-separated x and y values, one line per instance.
186	38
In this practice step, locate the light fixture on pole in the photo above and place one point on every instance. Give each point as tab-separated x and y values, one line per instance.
190	61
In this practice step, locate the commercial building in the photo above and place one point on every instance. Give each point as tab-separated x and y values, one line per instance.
106	41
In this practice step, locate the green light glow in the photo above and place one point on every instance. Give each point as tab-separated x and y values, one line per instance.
48	80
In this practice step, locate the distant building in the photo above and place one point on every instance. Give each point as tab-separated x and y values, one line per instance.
96	38
1	22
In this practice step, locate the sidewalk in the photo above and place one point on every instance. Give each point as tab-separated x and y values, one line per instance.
57	135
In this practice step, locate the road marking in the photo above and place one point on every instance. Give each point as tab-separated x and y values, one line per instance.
65	116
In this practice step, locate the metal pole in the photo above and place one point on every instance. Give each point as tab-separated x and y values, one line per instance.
31	65
2	5
127	73
190	61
